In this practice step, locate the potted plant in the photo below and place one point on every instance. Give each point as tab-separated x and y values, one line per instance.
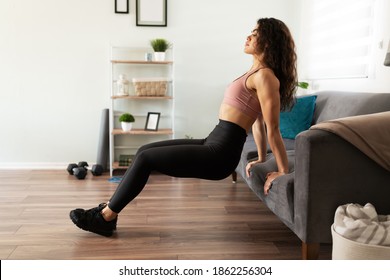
160	46
126	121
303	85
302	88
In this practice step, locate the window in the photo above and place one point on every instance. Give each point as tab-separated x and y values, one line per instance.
338	37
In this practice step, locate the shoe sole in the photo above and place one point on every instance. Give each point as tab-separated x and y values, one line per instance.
100	232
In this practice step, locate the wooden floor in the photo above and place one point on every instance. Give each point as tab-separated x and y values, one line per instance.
171	219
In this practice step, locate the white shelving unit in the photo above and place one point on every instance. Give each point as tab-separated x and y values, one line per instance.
131	62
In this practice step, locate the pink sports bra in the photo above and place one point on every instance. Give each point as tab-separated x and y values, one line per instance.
240	97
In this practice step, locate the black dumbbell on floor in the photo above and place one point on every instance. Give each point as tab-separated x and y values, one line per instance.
80	170
97	170
70	168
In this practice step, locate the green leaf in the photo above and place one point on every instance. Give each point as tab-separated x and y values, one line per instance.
303	85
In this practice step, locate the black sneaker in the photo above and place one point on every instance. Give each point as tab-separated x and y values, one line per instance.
93	221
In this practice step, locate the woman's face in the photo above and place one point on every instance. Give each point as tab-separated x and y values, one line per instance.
251	42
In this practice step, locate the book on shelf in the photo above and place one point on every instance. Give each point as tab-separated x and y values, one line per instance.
125	160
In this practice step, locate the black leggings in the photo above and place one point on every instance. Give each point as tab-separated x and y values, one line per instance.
213	158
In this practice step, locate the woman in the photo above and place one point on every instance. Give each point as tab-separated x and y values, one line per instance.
254	100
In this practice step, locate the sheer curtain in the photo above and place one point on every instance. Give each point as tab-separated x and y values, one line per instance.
338	38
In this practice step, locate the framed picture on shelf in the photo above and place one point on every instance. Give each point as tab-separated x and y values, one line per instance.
151	12
121	6
152	121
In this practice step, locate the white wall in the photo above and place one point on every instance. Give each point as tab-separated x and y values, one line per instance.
54	68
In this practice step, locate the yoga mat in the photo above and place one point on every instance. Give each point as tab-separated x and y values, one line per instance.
103	146
115	179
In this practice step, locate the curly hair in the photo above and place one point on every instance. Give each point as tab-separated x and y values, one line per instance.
276	45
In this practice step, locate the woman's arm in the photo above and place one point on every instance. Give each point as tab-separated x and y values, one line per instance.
259	135
267	89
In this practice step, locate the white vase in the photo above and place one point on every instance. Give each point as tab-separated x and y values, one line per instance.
159	56
122	85
126	126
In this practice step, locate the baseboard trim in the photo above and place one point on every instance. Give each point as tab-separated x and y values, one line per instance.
33	165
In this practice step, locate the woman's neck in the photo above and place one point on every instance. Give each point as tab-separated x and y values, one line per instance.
257	63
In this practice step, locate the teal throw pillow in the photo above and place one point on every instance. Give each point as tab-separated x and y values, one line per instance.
299	118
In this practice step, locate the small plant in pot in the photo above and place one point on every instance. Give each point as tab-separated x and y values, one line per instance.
160	46
303	85
302	88
126	121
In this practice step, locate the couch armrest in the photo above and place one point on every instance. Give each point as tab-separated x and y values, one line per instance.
330	172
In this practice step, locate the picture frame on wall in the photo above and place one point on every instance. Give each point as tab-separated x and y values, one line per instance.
121	6
151	13
152	121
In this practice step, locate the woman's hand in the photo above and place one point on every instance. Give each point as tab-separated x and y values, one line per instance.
249	167
270	179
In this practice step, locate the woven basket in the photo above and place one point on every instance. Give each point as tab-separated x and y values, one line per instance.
150	86
346	249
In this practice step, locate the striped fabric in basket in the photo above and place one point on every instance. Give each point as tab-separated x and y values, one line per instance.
359	233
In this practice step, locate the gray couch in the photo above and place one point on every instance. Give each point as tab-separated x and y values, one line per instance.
325	171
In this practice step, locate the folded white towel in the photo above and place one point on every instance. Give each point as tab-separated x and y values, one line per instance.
362	224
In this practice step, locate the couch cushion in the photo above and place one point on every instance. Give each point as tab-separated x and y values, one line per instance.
280	198
299	118
249	151
337	104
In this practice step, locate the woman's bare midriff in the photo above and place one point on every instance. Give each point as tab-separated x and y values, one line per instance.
231	114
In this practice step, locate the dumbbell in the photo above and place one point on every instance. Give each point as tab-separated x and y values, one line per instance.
80	170
97	170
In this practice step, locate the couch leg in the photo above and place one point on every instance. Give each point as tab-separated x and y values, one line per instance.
310	251
234	176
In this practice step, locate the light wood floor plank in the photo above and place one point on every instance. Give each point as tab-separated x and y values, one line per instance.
171	219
